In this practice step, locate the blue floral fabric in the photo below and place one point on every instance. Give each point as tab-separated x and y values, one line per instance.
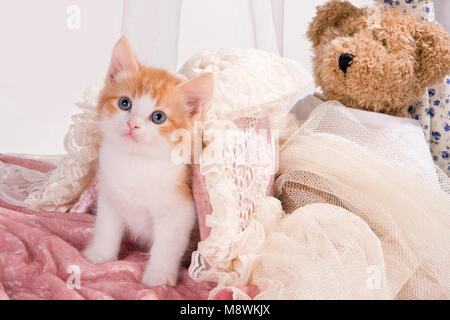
422	9
433	110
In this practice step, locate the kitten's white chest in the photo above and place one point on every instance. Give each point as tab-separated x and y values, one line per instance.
140	188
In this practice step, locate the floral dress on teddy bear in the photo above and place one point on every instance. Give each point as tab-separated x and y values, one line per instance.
433	110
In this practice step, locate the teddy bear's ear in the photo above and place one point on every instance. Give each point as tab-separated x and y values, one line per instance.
329	15
433	51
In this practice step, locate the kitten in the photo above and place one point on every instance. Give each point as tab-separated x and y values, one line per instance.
141	190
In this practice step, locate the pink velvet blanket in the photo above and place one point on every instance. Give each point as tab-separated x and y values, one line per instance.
40	258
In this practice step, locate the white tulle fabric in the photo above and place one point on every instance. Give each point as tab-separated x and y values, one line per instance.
358	217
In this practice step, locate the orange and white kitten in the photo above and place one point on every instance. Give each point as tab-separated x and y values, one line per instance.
141	190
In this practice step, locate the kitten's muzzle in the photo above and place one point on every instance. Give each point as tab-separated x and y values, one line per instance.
133	125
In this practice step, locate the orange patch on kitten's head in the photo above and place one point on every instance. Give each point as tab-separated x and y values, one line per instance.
182	102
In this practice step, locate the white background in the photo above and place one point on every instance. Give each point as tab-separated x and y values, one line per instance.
45	66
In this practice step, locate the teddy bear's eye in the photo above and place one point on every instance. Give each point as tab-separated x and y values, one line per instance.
384	43
351	34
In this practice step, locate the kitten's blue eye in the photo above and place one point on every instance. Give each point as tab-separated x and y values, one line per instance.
124	103
158	117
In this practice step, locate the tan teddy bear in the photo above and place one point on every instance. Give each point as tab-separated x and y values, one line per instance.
376	60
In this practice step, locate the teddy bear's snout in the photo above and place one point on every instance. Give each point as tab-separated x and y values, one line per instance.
345	61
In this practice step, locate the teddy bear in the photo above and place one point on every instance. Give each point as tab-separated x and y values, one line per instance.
376	60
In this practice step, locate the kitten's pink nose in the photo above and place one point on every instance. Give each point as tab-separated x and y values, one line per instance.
134	124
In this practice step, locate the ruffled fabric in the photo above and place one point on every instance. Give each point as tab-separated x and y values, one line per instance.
248	160
248	82
237	165
59	189
358	216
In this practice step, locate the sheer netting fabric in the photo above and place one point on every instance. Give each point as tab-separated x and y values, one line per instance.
357	215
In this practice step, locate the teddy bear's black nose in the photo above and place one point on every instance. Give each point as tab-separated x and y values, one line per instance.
345	61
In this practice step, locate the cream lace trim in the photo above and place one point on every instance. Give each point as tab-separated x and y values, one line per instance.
59	189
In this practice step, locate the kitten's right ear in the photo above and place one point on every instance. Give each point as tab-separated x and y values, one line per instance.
122	60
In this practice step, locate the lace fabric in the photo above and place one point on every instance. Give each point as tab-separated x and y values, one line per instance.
235	180
248	82
17	182
59	189
359	217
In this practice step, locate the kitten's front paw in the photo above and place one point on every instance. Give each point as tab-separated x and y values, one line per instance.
154	278
95	256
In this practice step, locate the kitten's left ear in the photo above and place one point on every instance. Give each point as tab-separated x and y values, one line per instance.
197	93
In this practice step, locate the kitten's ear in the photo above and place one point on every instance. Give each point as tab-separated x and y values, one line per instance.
197	93
122	60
